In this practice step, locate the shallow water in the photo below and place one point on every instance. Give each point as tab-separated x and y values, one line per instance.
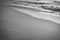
18	26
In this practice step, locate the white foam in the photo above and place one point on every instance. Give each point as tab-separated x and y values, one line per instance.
41	15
